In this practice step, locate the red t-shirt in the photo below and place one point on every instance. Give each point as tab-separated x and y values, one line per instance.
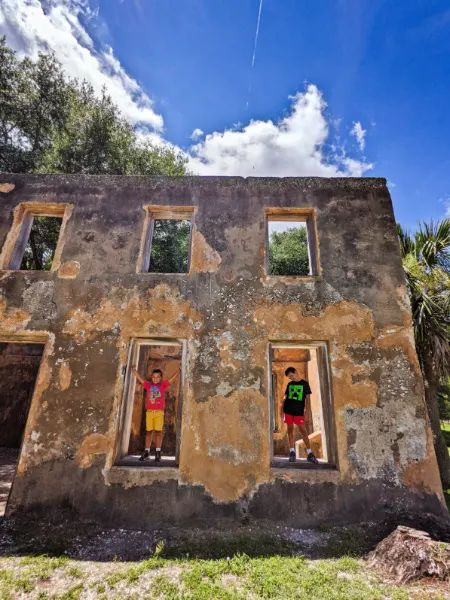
156	394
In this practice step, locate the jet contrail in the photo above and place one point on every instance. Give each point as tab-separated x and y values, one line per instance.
254	48
257	32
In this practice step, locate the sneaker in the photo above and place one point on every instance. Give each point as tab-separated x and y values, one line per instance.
312	459
292	457
158	456
144	455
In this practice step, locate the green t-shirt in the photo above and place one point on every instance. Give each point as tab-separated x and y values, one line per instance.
296	392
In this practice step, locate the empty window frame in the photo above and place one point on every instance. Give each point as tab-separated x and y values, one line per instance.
311	364
148	355
291	246
167	240
34	240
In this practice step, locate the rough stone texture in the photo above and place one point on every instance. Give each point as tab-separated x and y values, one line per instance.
227	310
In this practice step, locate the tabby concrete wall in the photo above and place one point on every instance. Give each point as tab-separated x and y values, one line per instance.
95	301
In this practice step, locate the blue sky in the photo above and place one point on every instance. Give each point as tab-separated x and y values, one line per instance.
339	87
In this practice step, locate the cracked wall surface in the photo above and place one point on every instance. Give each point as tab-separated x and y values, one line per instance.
95	301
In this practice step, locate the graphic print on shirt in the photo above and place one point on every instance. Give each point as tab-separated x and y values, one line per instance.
295	392
155	392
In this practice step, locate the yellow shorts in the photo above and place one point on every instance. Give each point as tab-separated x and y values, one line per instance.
154	420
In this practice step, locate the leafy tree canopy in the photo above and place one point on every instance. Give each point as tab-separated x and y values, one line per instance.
444	399
42	243
170	246
426	262
288	252
50	124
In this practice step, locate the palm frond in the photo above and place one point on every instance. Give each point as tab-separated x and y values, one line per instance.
407	243
432	240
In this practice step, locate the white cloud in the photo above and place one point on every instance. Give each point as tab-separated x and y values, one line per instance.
294	146
31	26
359	133
446	202
197	133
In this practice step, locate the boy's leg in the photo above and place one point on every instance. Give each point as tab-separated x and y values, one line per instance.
291	438
159	424
148	434
290	432
304	434
310	455
148	439
158	439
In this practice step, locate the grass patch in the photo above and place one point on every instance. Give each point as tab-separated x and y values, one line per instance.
32	569
75	572
133	574
223	546
73	593
42	566
238	576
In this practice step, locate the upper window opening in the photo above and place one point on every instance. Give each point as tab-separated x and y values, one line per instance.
34	241
170	246
291	243
288	248
168	241
41	245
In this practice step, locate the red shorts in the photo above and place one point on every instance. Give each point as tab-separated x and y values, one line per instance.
293	420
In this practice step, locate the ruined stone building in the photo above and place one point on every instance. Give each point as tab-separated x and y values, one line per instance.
71	329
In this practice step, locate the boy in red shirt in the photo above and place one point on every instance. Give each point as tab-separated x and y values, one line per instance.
154	409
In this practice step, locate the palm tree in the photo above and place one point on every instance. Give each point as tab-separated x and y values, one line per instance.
426	261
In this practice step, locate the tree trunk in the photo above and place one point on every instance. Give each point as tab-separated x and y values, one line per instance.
409	555
440	447
37	259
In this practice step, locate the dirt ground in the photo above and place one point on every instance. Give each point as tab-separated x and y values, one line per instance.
67	561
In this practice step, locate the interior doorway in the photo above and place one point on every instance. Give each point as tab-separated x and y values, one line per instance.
310	363
148	356
19	367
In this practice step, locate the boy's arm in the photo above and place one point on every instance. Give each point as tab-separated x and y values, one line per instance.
281	408
307	405
136	374
174	376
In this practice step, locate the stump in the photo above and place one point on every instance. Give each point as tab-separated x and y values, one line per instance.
408	555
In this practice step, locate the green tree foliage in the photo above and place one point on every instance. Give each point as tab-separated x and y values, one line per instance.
42	242
288	252
444	399
426	262
170	246
50	124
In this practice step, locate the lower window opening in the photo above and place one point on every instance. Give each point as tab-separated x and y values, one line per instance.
154	378
295	371
19	366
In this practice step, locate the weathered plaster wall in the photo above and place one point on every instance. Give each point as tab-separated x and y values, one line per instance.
227	310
